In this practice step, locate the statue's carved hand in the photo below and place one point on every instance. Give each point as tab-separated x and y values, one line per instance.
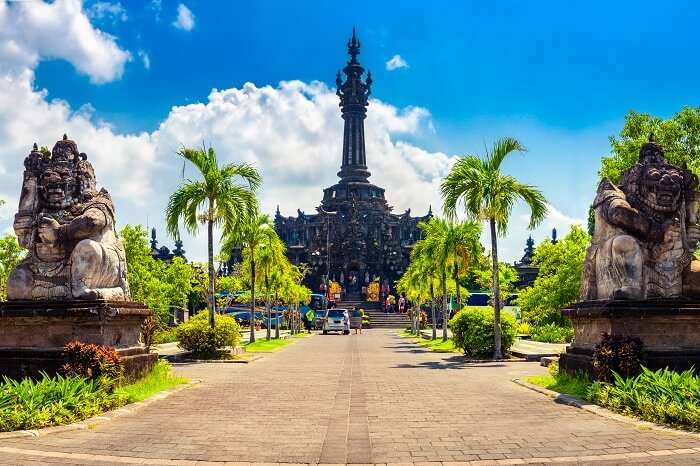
693	236
48	229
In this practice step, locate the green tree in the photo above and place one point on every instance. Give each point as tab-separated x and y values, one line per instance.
558	282
160	286
483	276
224	197
679	135
269	255
257	229
11	254
487	194
144	273
451	246
423	262
179	276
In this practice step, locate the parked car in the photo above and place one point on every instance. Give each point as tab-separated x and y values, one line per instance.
243	318
333	321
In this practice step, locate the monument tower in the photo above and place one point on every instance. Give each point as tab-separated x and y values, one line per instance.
354	234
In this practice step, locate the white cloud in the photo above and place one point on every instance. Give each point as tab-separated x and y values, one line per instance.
395	63
29	32
292	132
185	18
145	58
107	11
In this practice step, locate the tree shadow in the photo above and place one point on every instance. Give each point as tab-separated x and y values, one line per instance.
451	363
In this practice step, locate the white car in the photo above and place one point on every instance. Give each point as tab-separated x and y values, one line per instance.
334	321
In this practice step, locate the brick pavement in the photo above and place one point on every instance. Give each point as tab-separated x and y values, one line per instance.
371	398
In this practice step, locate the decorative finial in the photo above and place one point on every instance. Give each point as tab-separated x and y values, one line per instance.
35	147
353	47
430	209
277	212
65	137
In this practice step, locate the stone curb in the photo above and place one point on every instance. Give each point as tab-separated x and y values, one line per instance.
99	418
218	361
604	412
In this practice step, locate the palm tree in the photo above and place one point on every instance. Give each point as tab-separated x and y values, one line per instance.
224	197
422	257
487	194
256	230
451	246
465	247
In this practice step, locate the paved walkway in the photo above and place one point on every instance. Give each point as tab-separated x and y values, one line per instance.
371	398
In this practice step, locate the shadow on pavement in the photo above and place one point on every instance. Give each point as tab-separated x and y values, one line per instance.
455	362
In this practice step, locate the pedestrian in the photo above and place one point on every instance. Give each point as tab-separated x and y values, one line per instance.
310	316
346	322
402	303
362	318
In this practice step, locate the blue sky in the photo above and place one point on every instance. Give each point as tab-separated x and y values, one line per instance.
560	76
565	64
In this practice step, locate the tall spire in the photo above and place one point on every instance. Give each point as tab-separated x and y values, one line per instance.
353	93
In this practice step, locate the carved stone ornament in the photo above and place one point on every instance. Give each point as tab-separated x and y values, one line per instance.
69	230
646	231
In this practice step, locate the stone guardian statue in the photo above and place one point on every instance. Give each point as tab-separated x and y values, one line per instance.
645	234
68	227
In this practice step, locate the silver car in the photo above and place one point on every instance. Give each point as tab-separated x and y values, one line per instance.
334	321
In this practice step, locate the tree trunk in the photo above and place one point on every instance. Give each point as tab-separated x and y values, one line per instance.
277	321
212	277
459	293
267	307
252	300
497	353
432	309
445	311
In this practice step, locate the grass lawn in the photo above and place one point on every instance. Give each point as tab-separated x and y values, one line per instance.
562	384
159	379
261	345
436	345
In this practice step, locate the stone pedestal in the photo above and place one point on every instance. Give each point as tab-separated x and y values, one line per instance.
668	328
33	333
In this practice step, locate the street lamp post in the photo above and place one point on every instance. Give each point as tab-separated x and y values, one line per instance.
328	215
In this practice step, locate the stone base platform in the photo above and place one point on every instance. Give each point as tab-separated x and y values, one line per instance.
668	328
33	334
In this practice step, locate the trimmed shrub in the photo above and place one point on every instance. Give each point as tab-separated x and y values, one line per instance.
661	396
198	337
617	354
553	333
92	362
472	331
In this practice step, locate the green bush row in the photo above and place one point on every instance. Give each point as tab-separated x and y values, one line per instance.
29	404
473	332
552	333
662	396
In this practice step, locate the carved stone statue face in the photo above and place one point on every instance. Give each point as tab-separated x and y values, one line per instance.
661	187
57	187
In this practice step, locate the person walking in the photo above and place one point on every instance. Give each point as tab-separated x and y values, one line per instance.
346	322
362	316
402	303
310	317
